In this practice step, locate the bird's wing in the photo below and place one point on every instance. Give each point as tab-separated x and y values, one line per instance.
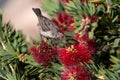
49	25
43	24
42	20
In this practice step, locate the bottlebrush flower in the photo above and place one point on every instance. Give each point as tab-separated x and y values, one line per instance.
74	55
44	54
97	3
118	20
76	73
91	44
89	19
64	21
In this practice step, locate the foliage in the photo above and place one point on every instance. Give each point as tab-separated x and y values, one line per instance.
15	62
54	7
105	30
96	29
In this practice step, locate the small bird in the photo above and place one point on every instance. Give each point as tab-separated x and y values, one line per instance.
47	28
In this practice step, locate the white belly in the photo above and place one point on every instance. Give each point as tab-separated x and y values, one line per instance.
47	34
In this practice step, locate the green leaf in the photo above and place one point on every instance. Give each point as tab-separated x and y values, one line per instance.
91	35
116	42
52	7
10	49
0	25
114	60
30	60
11	76
76	24
96	0
69	34
115	19
100	7
109	2
57	66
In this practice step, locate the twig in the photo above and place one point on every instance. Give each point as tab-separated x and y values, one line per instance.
12	69
3	77
3	45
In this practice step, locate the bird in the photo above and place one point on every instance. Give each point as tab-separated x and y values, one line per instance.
47	28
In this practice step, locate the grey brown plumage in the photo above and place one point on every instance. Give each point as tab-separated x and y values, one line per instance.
47	28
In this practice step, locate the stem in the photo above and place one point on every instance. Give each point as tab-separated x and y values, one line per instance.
3	77
13	71
108	8
3	45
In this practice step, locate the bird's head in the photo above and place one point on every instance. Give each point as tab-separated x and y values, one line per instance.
37	11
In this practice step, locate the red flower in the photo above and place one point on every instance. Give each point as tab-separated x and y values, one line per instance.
74	55
64	21
91	44
44	54
89	19
97	3
118	19
76	73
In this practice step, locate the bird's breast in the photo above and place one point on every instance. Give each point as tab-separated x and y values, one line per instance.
47	34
